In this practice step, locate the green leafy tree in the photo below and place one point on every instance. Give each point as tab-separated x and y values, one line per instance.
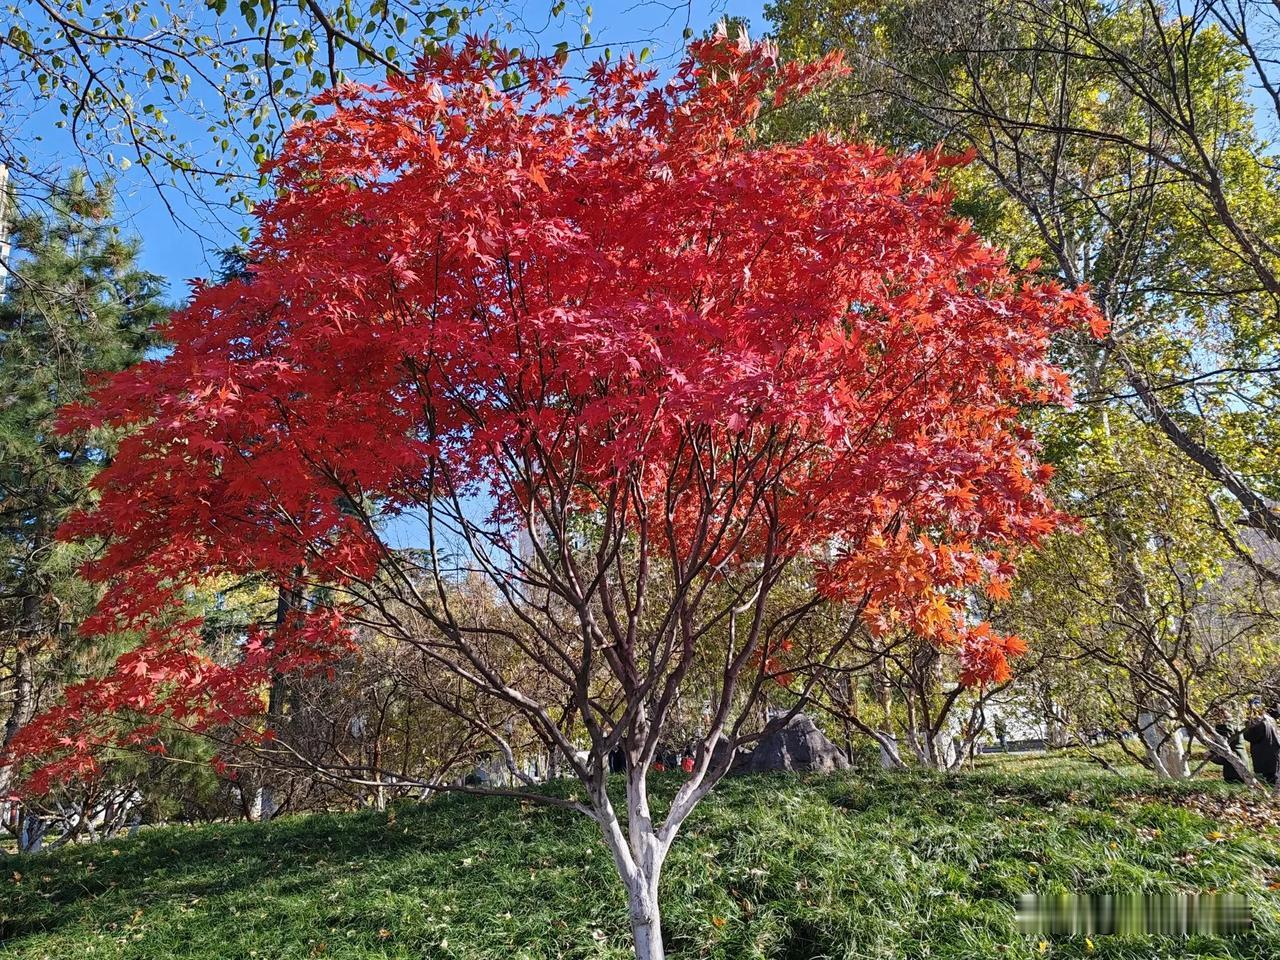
1118	145
1121	147
1145	628
75	303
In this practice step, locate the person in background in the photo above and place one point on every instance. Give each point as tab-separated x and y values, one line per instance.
1264	741
617	760
1230	733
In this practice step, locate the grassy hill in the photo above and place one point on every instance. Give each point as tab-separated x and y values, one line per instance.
865	865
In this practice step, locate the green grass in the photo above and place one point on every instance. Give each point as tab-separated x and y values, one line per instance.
861	865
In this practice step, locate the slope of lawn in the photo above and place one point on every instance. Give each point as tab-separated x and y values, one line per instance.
864	864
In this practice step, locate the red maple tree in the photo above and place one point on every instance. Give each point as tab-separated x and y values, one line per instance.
639	367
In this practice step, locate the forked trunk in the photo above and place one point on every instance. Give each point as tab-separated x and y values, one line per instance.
638	851
648	854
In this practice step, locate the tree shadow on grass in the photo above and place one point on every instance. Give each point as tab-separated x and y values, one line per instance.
193	873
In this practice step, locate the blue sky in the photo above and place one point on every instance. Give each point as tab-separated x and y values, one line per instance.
179	251
187	247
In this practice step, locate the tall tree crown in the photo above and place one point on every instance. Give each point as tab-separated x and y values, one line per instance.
610	301
75	305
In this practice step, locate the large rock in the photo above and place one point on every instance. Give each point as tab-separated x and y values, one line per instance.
798	747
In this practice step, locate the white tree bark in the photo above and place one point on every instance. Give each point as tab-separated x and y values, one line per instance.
263	807
639	851
1164	747
646	918
890	756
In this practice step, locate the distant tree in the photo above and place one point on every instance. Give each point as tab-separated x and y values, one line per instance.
1120	144
1144	620
903	693
75	303
669	393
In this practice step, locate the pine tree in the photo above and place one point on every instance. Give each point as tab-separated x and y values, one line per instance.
75	302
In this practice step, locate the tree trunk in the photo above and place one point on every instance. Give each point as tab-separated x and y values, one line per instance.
646	921
31	830
1055	733
20	712
890	755
24	672
1164	747
638	854
648	853
264	804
